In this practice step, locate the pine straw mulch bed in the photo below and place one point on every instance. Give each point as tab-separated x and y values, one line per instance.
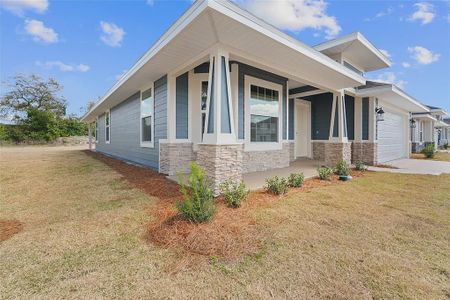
8	228
231	234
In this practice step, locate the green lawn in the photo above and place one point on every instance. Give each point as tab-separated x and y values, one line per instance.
379	236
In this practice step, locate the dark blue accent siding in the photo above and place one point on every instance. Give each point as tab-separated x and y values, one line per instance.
302	89
350	116
182	109
321	108
203	68
210	128
260	74
365	119
225	123
125	129
291	119
336	121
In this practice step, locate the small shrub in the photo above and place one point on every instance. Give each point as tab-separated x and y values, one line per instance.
296	179
234	192
446	146
198	205
342	168
429	151
360	166
325	173
277	185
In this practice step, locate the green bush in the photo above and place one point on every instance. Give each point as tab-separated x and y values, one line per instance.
296	179
234	192
277	185
446	146
198	205
342	168
325	173
360	166
429	151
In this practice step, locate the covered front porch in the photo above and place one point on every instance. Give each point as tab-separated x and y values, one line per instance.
257	180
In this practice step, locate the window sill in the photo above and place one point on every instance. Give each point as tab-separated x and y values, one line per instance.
147	145
262	146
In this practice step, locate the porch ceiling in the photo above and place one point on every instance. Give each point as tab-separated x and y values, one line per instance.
209	22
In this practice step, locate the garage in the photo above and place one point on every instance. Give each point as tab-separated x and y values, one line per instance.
391	137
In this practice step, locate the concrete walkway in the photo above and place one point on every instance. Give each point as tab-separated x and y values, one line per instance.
416	166
257	180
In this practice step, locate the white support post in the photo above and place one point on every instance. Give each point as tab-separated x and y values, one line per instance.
358	119
339	105
219	87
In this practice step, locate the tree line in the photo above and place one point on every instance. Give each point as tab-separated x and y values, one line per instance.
37	111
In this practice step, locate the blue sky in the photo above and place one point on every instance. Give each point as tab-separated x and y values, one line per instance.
86	45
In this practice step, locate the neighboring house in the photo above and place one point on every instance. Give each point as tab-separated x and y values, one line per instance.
428	128
446	132
225	89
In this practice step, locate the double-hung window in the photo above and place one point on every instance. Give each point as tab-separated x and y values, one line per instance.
147	118
264	114
108	127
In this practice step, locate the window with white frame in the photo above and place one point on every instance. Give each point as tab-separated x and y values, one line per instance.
204	97
107	126
264	114
147	118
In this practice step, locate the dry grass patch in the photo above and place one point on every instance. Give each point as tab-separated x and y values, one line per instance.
8	228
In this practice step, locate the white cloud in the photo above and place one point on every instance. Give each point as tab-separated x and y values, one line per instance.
406	64
422	55
18	7
113	34
118	76
390	77
63	67
381	14
424	13
294	15
39	32
150	2
385	53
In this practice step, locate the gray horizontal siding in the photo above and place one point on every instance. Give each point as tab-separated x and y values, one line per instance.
350	116
125	129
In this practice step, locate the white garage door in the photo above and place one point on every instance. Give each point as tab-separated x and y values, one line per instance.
391	137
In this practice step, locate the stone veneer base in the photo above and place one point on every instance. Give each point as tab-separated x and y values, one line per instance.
255	161
366	152
331	152
175	157
220	162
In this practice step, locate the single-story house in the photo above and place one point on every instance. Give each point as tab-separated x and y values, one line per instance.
225	89
428	128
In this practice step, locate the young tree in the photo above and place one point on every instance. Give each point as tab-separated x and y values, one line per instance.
26	93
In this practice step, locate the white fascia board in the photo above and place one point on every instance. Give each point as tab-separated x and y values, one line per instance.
233	11
424	116
390	88
352	37
170	33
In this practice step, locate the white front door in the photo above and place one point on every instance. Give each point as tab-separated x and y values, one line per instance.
302	129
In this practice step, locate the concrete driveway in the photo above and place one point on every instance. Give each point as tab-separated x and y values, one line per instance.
416	166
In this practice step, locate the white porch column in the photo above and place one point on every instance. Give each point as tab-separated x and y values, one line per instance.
90	135
219	154
372	120
358	119
219	127
171	108
338	128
